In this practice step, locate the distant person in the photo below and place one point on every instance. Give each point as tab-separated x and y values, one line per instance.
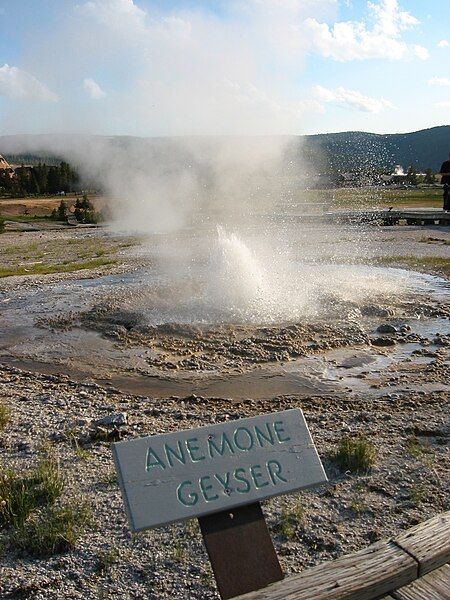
445	172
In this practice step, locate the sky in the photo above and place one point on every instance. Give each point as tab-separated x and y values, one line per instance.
238	67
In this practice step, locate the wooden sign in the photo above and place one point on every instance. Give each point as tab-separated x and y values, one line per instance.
196	472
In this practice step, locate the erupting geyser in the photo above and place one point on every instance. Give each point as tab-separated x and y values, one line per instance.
237	281
278	275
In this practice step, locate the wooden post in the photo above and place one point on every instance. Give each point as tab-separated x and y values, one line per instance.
240	550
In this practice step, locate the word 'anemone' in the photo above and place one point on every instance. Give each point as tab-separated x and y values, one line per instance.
194	449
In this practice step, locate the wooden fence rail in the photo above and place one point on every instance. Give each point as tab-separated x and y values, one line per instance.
376	571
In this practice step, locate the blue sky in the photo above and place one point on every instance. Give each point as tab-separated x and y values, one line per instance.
172	67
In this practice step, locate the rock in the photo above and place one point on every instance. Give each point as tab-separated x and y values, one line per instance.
376	311
116	331
103	434
386	328
383	341
114	420
193	398
23	446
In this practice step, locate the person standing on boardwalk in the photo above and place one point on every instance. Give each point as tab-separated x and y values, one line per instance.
445	179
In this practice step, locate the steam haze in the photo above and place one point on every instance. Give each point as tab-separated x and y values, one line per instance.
181	72
213	95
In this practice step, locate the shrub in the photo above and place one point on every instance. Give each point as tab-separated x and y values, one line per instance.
289	521
53	529
106	560
62	210
5	414
417	493
21	494
358	507
2	224
355	454
416	448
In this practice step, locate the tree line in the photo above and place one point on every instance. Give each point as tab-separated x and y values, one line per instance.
84	211
413	179
39	179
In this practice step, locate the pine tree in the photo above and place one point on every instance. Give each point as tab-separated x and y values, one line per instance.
411	176
41	174
33	183
429	177
62	208
53	179
22	180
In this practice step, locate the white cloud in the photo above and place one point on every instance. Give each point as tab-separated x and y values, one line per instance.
183	69
357	40
444	44
93	90
188	71
118	15
439	81
443	104
18	84
420	52
350	99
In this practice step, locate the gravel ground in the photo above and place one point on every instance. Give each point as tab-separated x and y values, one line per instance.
407	485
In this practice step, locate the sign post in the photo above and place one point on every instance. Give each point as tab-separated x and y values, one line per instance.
219	474
240	550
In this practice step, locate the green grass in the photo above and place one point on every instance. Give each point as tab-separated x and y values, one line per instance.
358	507
109	479
23	493
355	454
289	521
435	264
30	249
415	448
106	560
372	197
178	552
46	269
27	218
192	529
417	494
30	509
54	529
5	414
207	579
72	436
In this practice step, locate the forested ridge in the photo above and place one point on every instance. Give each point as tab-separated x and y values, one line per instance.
39	179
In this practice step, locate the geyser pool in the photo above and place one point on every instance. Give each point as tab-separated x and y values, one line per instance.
229	279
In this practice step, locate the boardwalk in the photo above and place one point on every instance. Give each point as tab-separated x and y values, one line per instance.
392	217
413	566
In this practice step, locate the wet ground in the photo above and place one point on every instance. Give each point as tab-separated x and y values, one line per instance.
237	324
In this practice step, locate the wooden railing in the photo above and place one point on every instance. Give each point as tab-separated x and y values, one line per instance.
376	571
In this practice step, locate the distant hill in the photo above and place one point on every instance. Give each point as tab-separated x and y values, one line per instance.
351	151
346	151
33	159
